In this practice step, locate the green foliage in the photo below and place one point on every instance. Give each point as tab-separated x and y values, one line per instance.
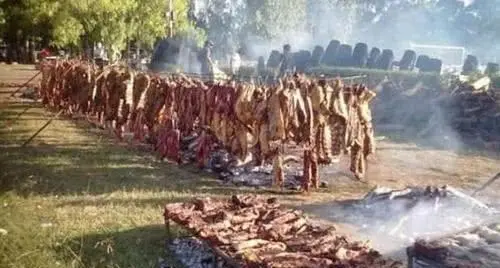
67	31
148	20
275	17
183	26
112	22
234	23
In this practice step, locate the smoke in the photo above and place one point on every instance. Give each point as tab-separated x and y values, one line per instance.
415	112
188	59
384	24
427	220
392	224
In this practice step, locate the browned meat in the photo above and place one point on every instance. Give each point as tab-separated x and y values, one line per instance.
259	233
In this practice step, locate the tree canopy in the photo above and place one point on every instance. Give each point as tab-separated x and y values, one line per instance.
79	23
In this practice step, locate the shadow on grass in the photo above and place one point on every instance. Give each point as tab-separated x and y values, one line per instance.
48	170
74	158
138	247
68	168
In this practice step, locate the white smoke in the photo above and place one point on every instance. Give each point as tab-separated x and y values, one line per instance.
392	224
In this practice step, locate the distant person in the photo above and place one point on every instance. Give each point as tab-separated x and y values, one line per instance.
44	54
99	52
286	62
205	58
261	70
235	63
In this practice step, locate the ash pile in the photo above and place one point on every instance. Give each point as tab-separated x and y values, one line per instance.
393	219
246	174
262	177
194	253
476	247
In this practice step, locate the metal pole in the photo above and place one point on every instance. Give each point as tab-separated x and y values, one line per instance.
41	129
25	84
10	123
488	183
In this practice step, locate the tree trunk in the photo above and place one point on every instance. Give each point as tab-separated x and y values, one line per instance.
11	53
31	52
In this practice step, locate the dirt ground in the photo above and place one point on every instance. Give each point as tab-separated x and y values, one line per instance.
397	163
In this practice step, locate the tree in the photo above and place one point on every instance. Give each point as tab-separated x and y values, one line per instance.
21	21
233	24
270	19
113	22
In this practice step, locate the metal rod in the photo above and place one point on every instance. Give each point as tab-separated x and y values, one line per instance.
488	183
25	84
41	129
10	123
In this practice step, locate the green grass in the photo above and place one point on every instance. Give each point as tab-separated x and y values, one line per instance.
76	198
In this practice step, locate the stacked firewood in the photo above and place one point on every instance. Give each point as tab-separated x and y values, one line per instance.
327	118
469	111
475	114
257	232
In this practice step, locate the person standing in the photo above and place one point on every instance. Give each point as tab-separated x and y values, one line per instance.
235	63
286	63
206	62
44	54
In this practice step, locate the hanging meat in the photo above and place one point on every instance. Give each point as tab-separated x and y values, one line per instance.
249	121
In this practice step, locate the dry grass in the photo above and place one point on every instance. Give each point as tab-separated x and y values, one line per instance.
75	198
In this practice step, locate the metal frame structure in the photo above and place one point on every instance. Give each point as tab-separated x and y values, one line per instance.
415	46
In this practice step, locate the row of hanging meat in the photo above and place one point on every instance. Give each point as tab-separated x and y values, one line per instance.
327	118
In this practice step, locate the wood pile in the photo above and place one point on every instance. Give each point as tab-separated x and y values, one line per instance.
475	113
257	232
468	111
477	247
